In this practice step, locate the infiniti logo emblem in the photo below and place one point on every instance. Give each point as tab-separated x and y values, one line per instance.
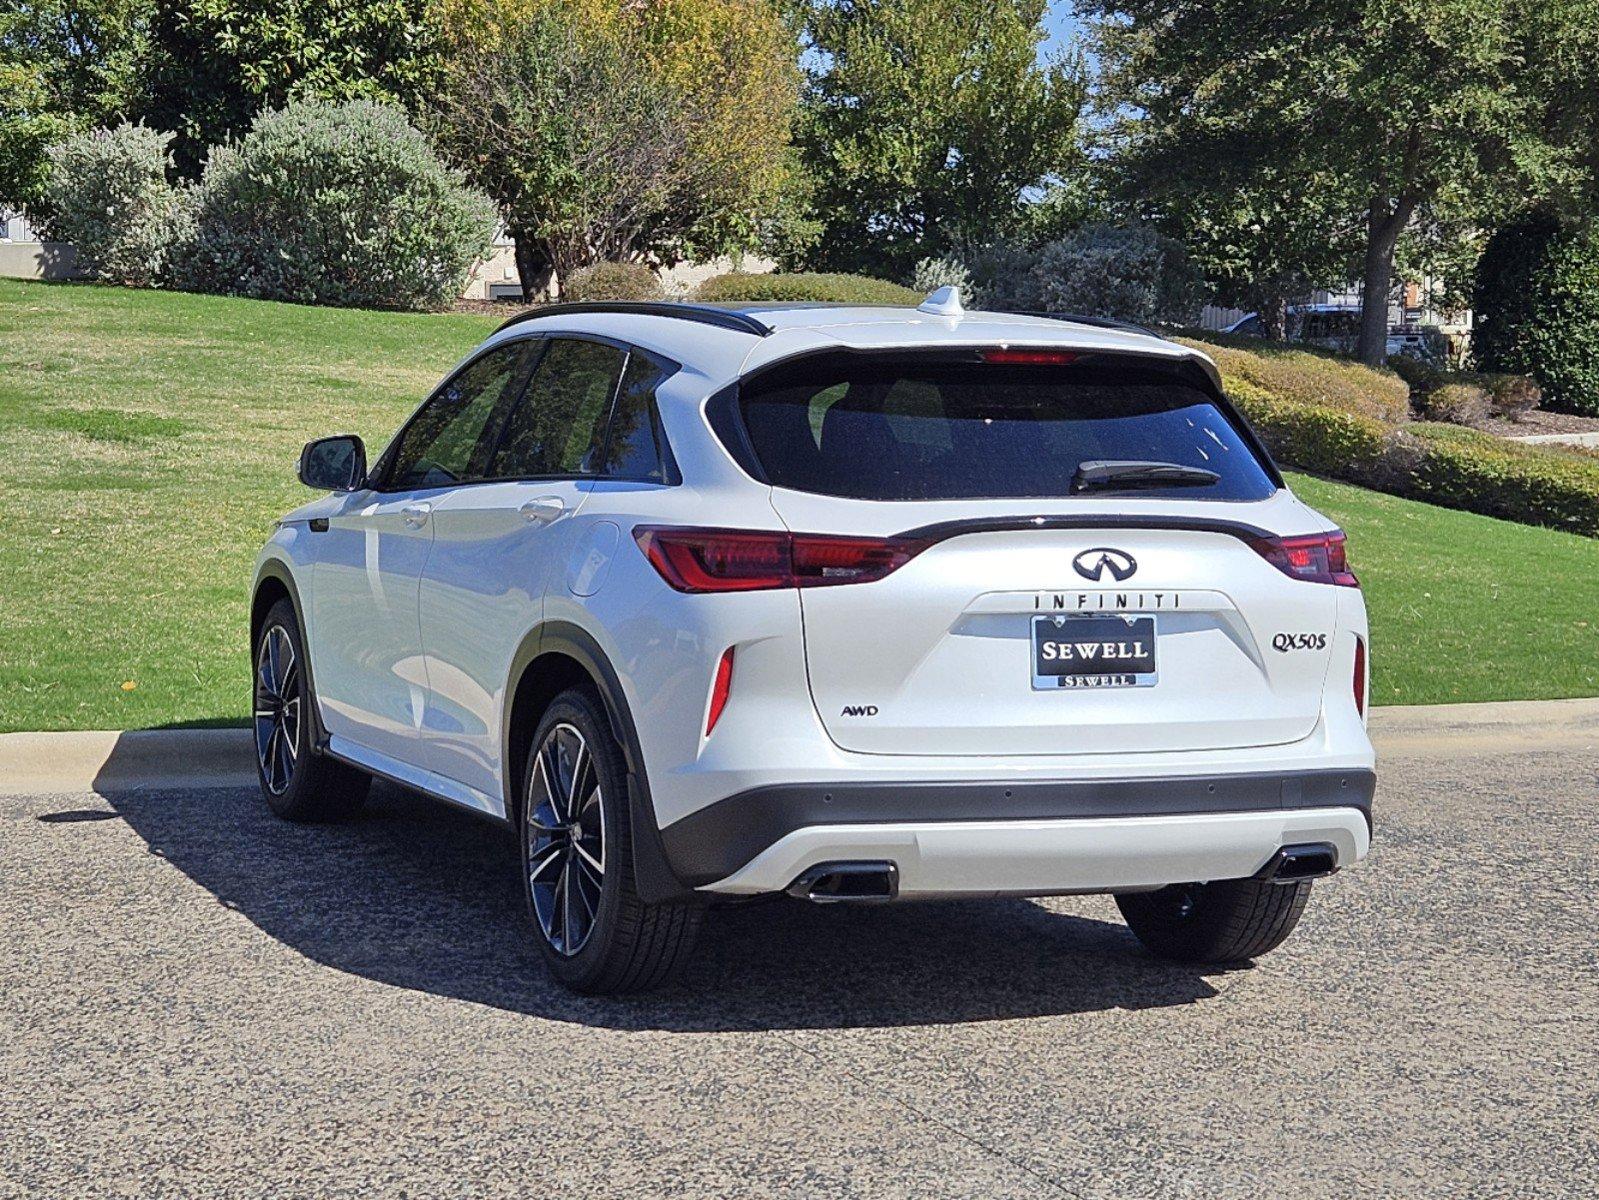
1092	564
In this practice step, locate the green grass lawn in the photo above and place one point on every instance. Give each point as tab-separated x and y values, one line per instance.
149	442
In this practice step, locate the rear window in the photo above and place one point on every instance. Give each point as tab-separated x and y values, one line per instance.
947	431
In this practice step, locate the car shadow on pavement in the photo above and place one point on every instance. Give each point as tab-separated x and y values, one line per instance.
418	895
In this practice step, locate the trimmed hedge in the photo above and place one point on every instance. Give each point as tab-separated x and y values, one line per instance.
805	286
613	281
1442	464
1308	376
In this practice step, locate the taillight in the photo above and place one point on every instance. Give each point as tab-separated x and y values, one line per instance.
720	687
741	560
1030	358
1360	676
1313	557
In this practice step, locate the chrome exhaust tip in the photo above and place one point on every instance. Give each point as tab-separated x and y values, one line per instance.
1291	864
847	883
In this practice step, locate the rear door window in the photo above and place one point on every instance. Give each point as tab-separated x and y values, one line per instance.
876	430
563	414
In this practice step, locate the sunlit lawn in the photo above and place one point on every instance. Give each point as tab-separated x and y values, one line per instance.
149	442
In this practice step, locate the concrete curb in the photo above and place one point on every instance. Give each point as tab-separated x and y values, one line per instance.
154	759
140	760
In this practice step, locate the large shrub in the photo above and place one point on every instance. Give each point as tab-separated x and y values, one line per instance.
340	204
1537	309
1132	274
1306	375
108	194
802	286
613	281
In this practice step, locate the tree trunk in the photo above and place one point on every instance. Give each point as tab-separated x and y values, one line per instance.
533	266
1274	317
1384	223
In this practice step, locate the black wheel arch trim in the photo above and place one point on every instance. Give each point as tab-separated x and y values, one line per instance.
277	570
654	878
717	840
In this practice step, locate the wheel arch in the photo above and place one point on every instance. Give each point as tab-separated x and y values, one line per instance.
274	581
553	657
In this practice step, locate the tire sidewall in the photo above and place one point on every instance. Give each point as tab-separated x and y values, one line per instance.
287	802
581	711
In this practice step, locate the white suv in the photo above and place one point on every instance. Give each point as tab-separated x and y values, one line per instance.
851	603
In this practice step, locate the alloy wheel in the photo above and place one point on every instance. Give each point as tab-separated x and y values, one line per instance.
565	832
277	709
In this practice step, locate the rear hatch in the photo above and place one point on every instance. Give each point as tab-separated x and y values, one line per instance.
1058	593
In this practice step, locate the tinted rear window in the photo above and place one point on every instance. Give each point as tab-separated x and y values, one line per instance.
944	431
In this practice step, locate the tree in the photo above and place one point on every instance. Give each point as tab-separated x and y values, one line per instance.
1392	106
929	121
1261	235
65	66
608	131
215	64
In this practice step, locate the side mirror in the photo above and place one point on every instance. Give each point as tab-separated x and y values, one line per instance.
333	464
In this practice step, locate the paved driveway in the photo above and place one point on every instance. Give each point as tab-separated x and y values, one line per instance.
200	1001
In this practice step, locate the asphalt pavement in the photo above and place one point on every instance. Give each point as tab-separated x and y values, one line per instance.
197	1000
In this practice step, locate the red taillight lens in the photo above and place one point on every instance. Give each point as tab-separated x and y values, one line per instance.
738	560
720	687
1314	557
1030	358
717	560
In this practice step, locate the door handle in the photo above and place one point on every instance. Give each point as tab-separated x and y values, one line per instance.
415	515
543	510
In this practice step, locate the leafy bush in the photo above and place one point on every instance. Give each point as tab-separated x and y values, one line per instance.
1537	303
804	286
1314	437
109	196
1131	274
1512	396
340	204
1463	402
613	281
934	273
1307	375
1443	464
1461	468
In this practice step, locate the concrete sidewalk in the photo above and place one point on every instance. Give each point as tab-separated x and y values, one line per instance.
146	760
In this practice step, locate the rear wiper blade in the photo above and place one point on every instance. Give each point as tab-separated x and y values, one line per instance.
1102	474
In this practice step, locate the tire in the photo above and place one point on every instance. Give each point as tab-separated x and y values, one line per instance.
298	783
1223	922
597	936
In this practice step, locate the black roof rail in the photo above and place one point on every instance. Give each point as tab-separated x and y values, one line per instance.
705	314
1096	322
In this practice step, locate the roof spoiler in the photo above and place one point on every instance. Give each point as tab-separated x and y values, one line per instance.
703	314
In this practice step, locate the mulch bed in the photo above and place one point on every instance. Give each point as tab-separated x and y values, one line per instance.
1538	421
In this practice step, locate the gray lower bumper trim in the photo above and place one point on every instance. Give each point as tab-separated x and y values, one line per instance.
720	838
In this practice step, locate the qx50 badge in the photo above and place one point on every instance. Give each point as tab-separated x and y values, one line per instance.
1092	564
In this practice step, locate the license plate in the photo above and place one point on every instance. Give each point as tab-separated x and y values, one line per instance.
1093	652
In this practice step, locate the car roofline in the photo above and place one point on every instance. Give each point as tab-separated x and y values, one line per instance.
743	318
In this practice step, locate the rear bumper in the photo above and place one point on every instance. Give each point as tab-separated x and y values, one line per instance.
1045	857
716	844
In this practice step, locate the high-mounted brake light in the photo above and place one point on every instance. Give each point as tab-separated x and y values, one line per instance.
1030	358
1314	557
743	560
